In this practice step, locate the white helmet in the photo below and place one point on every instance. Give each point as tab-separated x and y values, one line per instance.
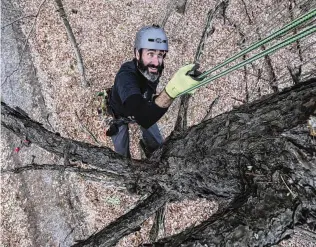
151	37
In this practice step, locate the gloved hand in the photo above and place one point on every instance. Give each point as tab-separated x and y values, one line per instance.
183	79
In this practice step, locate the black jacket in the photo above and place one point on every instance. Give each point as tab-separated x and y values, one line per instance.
132	95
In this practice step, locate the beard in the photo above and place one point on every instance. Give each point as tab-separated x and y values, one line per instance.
151	76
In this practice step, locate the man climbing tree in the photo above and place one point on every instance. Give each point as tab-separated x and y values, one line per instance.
257	161
133	95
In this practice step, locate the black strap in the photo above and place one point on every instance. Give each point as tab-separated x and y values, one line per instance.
116	123
109	109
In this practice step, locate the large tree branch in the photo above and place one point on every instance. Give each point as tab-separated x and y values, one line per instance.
127	223
101	157
214	146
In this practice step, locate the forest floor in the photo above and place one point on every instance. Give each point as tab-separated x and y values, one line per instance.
105	31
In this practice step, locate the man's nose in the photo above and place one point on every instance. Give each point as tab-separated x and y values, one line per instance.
155	61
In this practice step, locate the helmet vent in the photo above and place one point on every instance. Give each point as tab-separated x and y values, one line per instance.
158	40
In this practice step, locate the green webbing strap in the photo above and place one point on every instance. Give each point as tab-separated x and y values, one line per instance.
272	49
280	32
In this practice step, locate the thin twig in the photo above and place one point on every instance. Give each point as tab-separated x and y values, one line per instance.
25	44
292	193
272	76
308	235
18	19
239	100
209	112
295	72
86	129
208	30
71	231
258	75
71	36
241	43
297	66
244	57
181	6
247	13
246	82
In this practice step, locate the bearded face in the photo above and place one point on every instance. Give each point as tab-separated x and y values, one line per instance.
150	63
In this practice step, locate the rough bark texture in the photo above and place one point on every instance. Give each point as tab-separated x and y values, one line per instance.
258	160
264	147
102	158
242	136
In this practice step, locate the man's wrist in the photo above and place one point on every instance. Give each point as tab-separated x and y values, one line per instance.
163	100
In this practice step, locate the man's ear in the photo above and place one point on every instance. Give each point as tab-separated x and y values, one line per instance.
137	55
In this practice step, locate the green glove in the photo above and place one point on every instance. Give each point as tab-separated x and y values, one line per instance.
182	80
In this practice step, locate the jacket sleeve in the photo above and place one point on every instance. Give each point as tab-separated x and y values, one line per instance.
145	113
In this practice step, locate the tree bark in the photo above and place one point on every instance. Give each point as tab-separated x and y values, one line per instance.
258	160
264	148
101	158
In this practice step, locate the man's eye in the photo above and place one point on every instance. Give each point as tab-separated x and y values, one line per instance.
151	54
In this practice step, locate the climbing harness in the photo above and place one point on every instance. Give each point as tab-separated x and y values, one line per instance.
108	118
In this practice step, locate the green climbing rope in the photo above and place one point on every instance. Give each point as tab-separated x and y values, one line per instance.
272	49
276	34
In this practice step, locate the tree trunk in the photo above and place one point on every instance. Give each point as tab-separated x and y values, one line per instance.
258	160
